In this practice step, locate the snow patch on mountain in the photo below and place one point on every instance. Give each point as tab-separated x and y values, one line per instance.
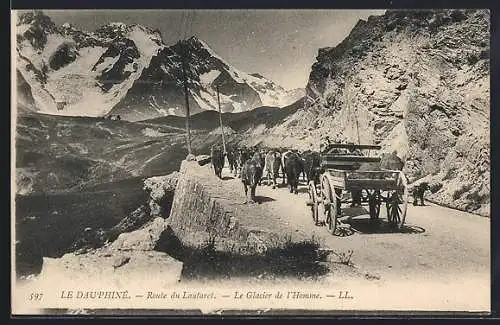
270	93
208	99
209	77
202	102
61	70
145	42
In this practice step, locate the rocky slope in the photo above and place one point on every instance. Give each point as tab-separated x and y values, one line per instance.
118	264
413	81
128	70
53	225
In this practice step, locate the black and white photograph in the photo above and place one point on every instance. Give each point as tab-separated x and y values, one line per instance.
250	161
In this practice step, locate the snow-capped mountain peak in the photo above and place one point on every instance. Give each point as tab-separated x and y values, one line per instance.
128	70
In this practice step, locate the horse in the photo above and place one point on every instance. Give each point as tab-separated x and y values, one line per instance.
312	161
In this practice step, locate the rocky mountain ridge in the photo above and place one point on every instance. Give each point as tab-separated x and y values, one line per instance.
128	70
412	81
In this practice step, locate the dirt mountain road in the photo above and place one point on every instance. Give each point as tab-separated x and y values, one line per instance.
438	246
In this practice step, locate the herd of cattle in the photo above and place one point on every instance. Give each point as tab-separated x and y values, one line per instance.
252	164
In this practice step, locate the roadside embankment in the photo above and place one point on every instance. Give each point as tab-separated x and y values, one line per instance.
207	210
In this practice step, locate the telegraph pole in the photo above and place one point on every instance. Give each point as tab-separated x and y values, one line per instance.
186	97
357	125
220	119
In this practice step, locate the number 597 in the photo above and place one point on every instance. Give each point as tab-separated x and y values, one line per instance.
35	296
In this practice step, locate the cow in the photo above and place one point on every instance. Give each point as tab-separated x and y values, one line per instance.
302	164
312	161
217	158
231	159
293	168
251	173
272	166
419	191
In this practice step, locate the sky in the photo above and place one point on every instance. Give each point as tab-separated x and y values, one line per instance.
279	44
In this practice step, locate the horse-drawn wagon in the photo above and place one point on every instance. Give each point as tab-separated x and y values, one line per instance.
346	172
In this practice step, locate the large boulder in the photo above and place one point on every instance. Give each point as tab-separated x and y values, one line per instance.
161	191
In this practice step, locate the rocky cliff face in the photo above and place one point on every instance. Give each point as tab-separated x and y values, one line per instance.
128	70
25	100
413	81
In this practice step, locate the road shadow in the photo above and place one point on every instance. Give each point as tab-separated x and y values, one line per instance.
412	229
227	178
359	220
262	199
205	261
365	225
342	230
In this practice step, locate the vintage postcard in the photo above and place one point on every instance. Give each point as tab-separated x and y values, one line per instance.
250	161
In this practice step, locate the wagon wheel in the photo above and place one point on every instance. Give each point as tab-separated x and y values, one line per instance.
397	203
313	197
331	206
374	204
322	208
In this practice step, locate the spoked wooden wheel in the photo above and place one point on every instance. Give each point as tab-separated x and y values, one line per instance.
397	203
374	203
330	205
313	198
